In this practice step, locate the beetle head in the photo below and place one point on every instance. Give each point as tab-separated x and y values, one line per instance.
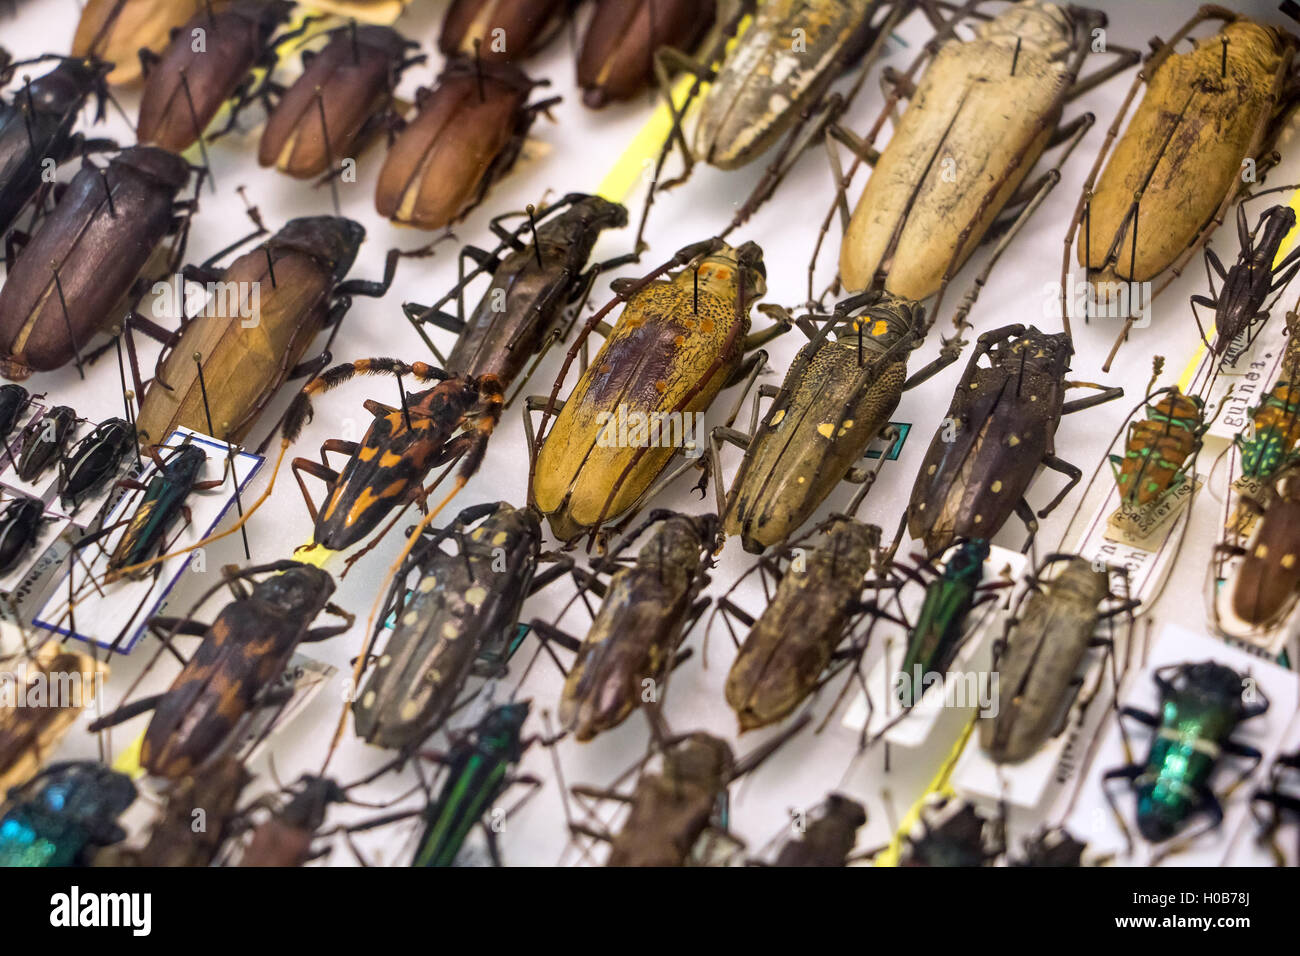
154	163
1034	25
700	758
299	592
66	86
333	240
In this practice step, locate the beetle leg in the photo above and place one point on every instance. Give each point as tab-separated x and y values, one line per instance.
126	712
1079	404
316	470
1067	469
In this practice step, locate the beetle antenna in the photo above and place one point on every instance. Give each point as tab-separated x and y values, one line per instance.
1015	57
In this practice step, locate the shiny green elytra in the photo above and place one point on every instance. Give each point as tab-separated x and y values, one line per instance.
60	816
936	636
478	770
1201	705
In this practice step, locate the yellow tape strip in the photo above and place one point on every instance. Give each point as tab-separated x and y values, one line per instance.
1186	380
941	785
128	761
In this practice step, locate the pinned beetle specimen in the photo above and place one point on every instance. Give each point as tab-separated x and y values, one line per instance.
1269	445
20	524
1263	584
460	618
942	625
952	833
678	342
64	815
617	57
44	441
344	94
162	502
466	134
116	30
835	401
500	30
671	810
210	794
94	460
285	839
1000	427
479	768
14	401
956	168
1159	450
186	85
769	86
794	641
1240	305
247	350
647	609
1051	846
36	130
533	287
1038	660
244	651
89	256
827	839
1206	116
1201	707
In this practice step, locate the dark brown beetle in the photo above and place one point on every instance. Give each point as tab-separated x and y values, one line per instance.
285	839
533	287
1264	588
210	797
244	650
500	30
88	258
345	93
616	61
208	61
466	134
828	839
1000	427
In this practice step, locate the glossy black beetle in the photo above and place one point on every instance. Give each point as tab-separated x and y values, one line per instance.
20	523
36	132
94	460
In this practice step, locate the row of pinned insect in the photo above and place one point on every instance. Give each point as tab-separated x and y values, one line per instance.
455	613
894	241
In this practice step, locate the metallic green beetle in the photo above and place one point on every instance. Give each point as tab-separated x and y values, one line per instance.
1201	706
